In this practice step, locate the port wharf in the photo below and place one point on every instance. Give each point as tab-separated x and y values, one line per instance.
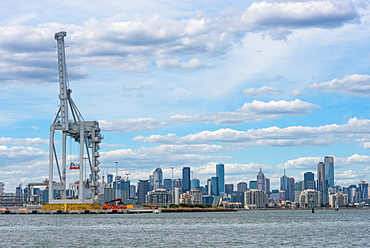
111	211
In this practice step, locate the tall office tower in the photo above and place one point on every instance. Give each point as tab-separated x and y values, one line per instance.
177	183
267	186
291	189
214	186
309	180
132	191
253	184
109	178
209	186
322	185
220	173
298	188
242	186
363	189
329	170
185	179
195	183
167	184
142	190
229	188
284	186
261	181
1	188
157	178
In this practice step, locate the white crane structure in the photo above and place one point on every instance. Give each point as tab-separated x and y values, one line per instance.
85	133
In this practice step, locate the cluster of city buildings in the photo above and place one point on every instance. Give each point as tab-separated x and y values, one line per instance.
159	191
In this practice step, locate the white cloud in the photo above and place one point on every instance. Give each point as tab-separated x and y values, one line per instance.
137	86
131	125
166	155
295	14
132	45
264	90
25	142
176	64
272	136
356	85
249	112
295	93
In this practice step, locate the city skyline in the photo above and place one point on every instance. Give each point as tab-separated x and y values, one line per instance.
250	84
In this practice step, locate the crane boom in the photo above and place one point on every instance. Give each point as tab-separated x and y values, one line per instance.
63	91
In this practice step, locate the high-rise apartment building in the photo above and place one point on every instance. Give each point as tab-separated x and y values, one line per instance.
185	179
220	173
309	180
159	197
338	200
309	197
329	170
242	186
255	199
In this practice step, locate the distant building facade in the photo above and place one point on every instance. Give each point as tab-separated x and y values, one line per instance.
159	197
309	180
220	173
186	179
255	198
338	200
308	196
242	186
157	179
142	190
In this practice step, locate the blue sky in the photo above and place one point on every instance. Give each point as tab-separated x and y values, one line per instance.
270	84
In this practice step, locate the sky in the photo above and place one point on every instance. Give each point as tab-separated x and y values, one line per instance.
272	85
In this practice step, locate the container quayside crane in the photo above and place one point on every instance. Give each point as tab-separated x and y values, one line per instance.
86	133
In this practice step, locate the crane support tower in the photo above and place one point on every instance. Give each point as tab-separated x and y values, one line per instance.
85	133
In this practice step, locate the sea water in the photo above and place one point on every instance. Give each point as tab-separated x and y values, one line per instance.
258	228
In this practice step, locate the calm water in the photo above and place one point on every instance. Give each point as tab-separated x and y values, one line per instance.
345	228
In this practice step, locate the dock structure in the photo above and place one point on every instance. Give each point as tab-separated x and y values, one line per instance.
80	211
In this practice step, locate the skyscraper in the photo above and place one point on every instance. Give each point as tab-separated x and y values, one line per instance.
185	179
309	180
214	186
220	173
253	184
242	186
261	180
284	186
229	188
167	184
329	170
142	190
195	183
157	178
322	185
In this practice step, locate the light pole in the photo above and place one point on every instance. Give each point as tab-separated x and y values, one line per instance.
116	179
173	197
